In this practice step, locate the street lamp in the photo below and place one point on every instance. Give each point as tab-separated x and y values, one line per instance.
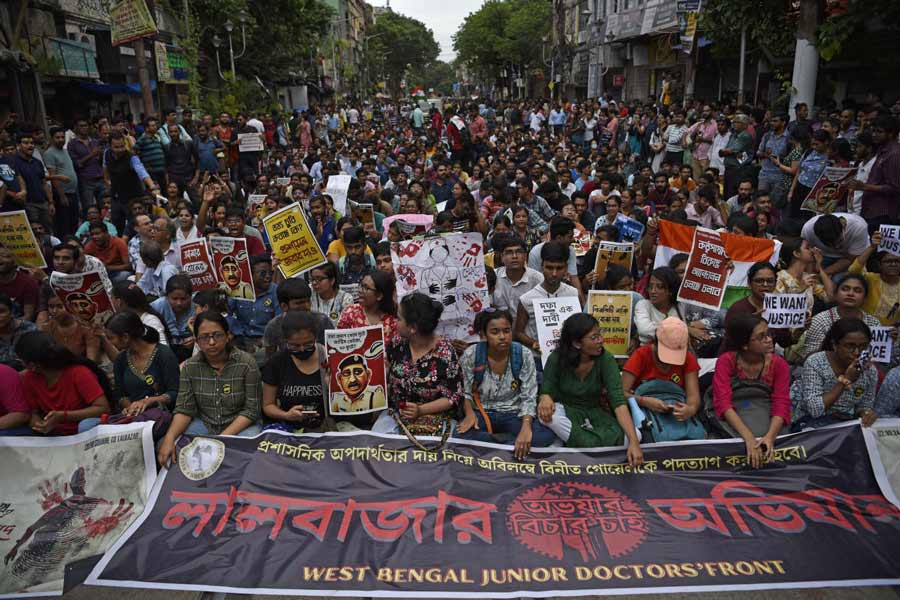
243	18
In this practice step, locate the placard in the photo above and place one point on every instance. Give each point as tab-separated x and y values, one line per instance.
337	188
357	382
630	230
282	181
881	344
786	311
613	309
830	190
16	235
293	241
890	239
232	265
250	142
581	242
83	295
613	253
197	263
549	316
707	271
364	213
410	224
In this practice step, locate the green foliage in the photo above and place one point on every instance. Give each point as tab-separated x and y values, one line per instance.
400	41
438	75
236	96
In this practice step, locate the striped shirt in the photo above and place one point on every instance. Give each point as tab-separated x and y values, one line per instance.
150	149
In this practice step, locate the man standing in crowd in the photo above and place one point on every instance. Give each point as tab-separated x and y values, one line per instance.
126	177
86	155
61	171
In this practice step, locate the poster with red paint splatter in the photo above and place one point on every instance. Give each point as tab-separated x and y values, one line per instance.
450	269
67	498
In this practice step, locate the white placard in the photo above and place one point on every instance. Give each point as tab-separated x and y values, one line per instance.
890	239
337	189
549	316
250	142
786	311
880	347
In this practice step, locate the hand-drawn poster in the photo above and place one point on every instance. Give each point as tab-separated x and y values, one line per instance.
293	241
830	190
232	265
890	239
67	498
16	235
612	309
357	382
450	269
549	316
786	311
613	253
83	295
197	263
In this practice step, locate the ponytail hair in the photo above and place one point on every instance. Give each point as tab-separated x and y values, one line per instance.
130	324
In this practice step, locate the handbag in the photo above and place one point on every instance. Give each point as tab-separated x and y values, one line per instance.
161	418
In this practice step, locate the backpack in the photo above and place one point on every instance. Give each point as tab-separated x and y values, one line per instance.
664	427
481	366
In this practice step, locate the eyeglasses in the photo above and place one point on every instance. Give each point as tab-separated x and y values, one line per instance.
762	337
318	279
300	348
209	337
763	280
366	288
855	348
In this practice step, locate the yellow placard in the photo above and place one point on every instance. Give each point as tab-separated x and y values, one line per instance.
612	309
293	241
16	234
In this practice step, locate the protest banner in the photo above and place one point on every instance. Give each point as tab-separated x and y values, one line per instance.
630	230
786	311
450	269
883	439
358	381
232	265
371	516
549	316
613	253
250	142
881	344
890	239
293	241
581	242
707	271
255	205
130	20
83	295
282	181
612	310
337	188
364	213
17	237
196	262
67	498
410	224
829	191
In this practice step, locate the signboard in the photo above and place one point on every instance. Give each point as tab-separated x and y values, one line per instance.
881	344
250	142
197	263
613	253
372	516
130	20
786	311
707	271
890	239
549	316
337	188
83	295
293	241
232	265
830	190
356	363
613	309
17	237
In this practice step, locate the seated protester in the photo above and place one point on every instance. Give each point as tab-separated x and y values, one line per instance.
802	272
834	386
570	397
294	383
841	237
561	231
849	297
67	259
612	215
328	298
883	299
887	403
383	259
466	216
112	251
145	371
661	303
219	391
19	285
751	388
514	278
175	309
761	277
586	274
663	378
425	384
742	224
322	225
128	296
358	261
702	210
554	261
520	220
375	305
293	295
157	271
236	227
248	319
15	414
706	326
336	249
501	387
11	330
67	394
78	337
92	215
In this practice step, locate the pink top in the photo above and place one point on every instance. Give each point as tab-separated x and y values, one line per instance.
777	375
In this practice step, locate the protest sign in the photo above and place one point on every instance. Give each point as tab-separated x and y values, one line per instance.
282	181
549	316
613	253
630	230
612	310
250	142
337	188
254	203
196	262
371	516
232	265
890	239
130	20
707	271
581	242
83	295
450	269
67	498
786	311
293	241
358	382
17	237
830	190
364	213
883	439
410	224
881	344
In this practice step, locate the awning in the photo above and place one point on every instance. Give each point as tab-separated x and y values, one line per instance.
108	89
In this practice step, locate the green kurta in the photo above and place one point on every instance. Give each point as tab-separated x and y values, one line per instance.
581	397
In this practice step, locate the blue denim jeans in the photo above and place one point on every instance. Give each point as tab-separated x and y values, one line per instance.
17	432
508	423
88	424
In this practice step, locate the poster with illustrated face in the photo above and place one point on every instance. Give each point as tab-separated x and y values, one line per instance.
83	295
232	265
448	268
357	382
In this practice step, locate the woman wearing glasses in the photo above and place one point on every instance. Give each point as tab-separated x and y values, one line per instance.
219	391
375	305
850	297
762	279
328	299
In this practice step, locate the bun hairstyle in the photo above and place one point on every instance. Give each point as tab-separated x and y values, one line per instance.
421	312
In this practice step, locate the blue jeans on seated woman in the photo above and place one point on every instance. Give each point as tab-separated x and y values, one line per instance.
197	427
508	423
17	432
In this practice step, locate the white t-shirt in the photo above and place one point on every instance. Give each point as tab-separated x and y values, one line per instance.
153	322
853	243
539	293
257	125
537	121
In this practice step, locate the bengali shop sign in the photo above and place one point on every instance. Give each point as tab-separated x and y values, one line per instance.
707	271
368	515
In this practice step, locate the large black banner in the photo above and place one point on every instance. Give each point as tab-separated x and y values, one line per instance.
368	515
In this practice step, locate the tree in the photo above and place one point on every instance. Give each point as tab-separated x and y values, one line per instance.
402	44
438	75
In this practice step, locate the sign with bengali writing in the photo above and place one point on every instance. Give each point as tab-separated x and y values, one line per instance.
707	271
83	295
293	241
786	311
612	310
67	498
372	516
549	316
613	253
130	20
232	265
356	364
830	190
17	237
197	263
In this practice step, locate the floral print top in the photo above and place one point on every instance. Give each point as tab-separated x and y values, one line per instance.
355	316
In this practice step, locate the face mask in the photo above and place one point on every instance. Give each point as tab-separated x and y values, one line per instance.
303	354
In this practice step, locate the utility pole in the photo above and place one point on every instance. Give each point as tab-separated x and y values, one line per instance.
806	57
742	65
143	76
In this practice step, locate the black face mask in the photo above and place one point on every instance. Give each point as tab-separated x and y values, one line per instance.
303	354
